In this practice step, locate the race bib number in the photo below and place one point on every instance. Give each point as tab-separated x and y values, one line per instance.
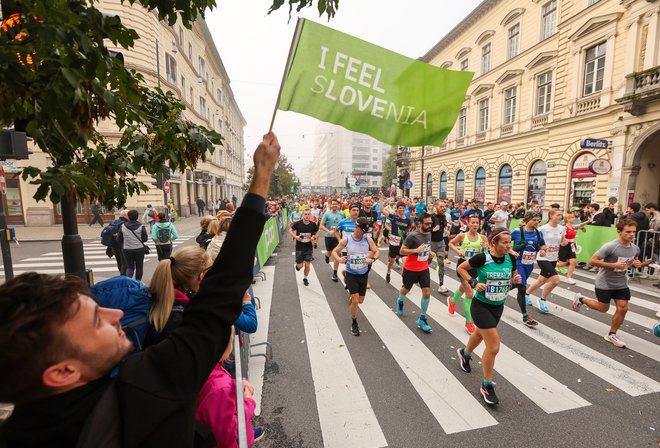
471	252
424	256
528	257
395	240
369	234
572	247
464	227
496	290
552	252
357	261
626	260
305	237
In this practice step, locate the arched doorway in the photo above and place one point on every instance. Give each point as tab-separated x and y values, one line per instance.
643	169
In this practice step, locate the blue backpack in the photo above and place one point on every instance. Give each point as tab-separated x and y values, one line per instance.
109	233
130	296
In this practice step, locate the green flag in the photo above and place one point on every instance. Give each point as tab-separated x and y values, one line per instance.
365	88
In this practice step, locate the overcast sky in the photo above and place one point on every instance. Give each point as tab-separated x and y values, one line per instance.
254	47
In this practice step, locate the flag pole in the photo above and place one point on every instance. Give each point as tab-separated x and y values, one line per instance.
289	60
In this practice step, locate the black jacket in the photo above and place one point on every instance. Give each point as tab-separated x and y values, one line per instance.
156	390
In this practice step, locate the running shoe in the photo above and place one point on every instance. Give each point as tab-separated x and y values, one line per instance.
593	269
488	392
614	339
576	301
570	281
464	361
656	330
531	323
437	267
398	264
470	327
451	306
387	277
423	325
442	289
327	259
258	433
561	270
305	282
399	307
355	330
334	277
542	307
447	261
528	301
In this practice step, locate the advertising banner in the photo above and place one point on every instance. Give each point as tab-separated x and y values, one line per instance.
270	238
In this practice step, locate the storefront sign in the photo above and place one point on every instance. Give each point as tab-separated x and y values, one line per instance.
552	164
581	166
600	166
631	197
592	143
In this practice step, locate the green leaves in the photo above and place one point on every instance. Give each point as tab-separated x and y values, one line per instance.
328	7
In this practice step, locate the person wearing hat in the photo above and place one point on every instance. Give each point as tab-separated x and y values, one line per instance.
360	252
501	217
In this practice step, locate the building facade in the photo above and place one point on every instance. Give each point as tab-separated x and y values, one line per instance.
186	63
562	90
343	157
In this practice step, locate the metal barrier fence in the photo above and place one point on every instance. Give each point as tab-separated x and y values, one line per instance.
648	242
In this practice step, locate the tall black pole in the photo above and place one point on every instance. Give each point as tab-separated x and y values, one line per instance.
4	243
72	245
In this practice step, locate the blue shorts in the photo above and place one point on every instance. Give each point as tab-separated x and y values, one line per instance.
525	271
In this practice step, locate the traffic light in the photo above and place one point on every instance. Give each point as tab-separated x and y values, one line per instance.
159	181
13	145
402	181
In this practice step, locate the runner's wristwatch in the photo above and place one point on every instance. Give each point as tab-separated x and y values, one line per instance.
473	282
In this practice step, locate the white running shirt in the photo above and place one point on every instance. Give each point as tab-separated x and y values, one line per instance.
552	237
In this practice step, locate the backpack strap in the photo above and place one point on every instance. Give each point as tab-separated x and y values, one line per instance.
102	429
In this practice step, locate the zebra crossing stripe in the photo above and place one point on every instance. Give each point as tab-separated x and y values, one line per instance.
548	393
455	408
346	416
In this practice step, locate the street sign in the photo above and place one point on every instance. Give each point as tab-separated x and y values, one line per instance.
592	143
409	184
166	187
357	183
3	182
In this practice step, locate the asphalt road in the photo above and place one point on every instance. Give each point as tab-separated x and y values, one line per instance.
559	385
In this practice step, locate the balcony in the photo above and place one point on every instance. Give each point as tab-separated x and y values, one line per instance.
539	121
588	105
641	88
402	158
506	129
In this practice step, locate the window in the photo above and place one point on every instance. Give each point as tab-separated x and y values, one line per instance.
549	19
485	58
464	65
483	115
594	69
514	41
537	176
504	181
219	96
202	68
170	68
181	37
192	97
543	92
429	185
462	123
460	187
443	185
190	51
510	105
480	184
202	106
183	87
592	2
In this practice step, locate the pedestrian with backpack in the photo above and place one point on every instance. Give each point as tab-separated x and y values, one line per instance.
150	216
163	233
109	236
132	236
64	358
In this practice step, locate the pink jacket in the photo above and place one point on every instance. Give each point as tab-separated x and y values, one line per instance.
216	408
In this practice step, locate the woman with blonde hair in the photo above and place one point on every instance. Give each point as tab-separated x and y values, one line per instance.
218	230
175	280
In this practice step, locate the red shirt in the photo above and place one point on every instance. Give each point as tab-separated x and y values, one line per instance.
570	233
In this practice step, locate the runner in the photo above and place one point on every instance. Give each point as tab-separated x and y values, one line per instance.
329	225
567	253
527	242
361	252
554	236
417	249
400	225
296	215
496	272
471	243
438	243
613	260
305	233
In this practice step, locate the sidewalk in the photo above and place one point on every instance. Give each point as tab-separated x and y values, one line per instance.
185	226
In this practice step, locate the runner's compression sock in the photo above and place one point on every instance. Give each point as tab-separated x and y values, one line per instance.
457	295
401	297
521	299
425	305
487	383
467	304
466	354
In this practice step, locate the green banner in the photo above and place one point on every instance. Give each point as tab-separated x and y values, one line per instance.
515	223
343	80
587	243
285	218
269	240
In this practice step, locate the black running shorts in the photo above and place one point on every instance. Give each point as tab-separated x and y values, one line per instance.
566	253
357	283
304	255
605	295
330	243
412	277
394	251
548	268
485	315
